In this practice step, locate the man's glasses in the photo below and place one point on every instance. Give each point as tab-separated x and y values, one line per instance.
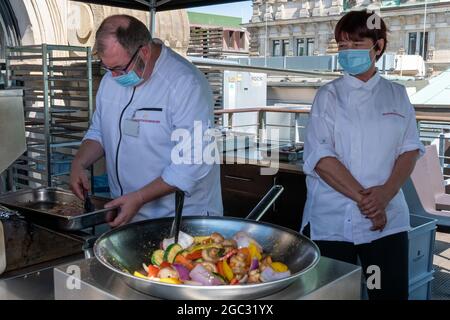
124	69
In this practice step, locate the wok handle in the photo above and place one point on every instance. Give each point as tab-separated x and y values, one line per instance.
266	202
179	203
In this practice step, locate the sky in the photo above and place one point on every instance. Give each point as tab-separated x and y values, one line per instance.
238	9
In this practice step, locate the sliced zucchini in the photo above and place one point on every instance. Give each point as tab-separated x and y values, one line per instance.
171	252
157	257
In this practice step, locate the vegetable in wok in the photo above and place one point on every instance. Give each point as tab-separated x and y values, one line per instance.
212	261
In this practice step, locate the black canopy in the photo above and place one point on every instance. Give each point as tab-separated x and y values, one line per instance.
161	4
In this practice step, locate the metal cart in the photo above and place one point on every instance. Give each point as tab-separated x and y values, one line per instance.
58	105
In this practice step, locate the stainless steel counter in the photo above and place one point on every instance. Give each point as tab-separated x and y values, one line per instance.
330	279
30	254
34	283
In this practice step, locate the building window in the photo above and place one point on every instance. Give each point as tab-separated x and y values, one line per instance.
276	48
423	51
285	47
301	49
412	43
242	40
416	44
230	40
348	4
280	48
305	47
310	46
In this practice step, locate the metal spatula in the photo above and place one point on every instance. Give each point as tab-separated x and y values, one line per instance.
179	202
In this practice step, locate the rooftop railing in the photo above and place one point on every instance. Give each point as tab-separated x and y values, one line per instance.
433	129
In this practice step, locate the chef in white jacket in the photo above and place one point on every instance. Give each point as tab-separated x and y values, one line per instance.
361	145
148	93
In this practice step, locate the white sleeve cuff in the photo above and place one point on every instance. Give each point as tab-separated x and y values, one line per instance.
312	160
173	178
91	135
412	147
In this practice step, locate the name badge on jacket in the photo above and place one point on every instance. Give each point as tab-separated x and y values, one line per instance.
131	128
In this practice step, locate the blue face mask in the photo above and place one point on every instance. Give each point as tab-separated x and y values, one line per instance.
355	61
130	79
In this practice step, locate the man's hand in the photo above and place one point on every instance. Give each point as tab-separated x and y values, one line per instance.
78	180
89	152
129	206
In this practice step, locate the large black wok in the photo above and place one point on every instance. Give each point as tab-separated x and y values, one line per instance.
123	251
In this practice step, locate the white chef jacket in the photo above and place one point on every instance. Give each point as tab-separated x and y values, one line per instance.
366	126
176	95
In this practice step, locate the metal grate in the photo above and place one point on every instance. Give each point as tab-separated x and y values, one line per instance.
58	105
440	286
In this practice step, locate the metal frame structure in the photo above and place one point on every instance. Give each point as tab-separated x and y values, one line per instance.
160	5
154	5
58	105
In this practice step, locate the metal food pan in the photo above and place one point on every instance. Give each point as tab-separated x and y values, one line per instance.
37	205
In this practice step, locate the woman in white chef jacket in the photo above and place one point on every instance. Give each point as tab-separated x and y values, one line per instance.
361	145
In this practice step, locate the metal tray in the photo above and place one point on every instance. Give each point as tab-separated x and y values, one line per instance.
286	152
36	206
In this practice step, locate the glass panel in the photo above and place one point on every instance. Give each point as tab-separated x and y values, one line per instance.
300	47
390	3
412	43
348	4
276	48
285	47
310	47
421	51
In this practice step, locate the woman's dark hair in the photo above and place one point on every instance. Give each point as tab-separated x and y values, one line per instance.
362	24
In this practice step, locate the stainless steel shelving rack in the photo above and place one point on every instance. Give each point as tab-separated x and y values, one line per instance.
58	105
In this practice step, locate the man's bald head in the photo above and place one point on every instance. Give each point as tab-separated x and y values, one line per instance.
128	31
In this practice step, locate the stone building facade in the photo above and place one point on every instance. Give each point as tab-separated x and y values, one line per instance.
305	27
65	22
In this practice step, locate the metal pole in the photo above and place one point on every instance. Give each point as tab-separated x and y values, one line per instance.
51	101
266	43
424	28
442	150
90	105
152	5
8	81
45	65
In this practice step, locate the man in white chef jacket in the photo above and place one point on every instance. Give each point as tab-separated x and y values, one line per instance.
148	92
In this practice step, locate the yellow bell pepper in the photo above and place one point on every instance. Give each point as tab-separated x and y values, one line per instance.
140	275
254	252
170	280
279	267
227	270
203	246
200	239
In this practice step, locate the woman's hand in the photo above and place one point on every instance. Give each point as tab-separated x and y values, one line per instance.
379	221
373	204
129	206
374	199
